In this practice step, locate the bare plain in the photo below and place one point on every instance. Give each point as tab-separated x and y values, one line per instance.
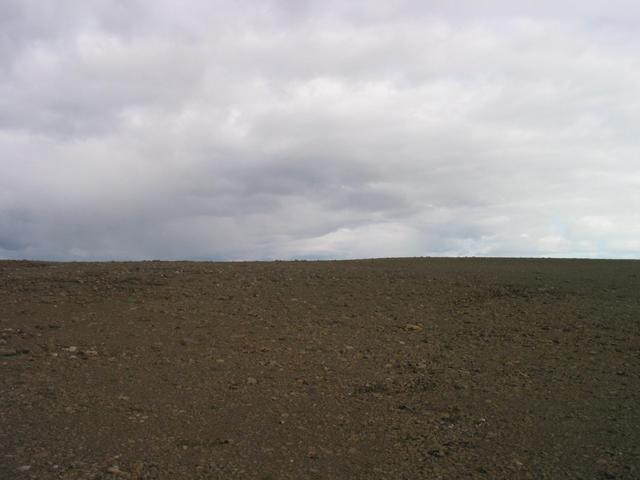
372	369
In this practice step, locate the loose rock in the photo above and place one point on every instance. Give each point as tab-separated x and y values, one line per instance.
412	327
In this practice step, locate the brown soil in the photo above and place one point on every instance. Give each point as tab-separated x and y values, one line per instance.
373	369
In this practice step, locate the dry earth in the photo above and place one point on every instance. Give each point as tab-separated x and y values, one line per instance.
373	369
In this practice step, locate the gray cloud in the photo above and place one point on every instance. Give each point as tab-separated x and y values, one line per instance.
231	130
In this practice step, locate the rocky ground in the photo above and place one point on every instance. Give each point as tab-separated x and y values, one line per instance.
375	369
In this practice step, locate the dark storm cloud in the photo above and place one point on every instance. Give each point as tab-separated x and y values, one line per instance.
318	129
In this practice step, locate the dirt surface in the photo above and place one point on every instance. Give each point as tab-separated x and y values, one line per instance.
373	369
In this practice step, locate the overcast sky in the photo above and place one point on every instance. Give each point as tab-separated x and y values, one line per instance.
333	129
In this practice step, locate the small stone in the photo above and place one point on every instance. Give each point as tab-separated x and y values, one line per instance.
412	327
115	470
438	453
251	381
72	349
24	468
8	352
136	470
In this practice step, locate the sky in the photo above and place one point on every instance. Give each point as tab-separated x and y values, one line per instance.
246	130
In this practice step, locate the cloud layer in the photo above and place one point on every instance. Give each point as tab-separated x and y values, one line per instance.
293	129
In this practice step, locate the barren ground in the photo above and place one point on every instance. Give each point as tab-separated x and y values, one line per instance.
373	369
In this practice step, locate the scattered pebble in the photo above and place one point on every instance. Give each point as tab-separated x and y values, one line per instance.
437	452
412	327
8	352
115	470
